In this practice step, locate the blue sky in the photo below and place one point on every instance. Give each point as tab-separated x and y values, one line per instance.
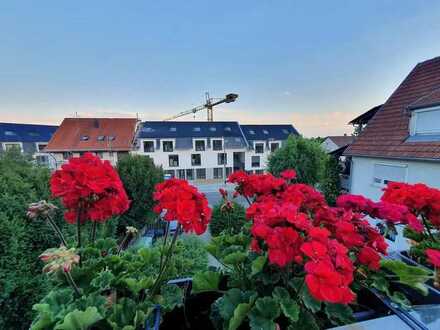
315	64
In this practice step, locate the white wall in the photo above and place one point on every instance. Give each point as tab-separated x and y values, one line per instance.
113	158
362	181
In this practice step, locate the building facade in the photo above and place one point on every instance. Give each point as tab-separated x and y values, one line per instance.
30	139
108	138
209	150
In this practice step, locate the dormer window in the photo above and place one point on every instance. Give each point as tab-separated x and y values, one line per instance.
425	121
84	138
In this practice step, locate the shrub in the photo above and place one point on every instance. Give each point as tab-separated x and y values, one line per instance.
303	155
231	220
21	239
330	184
139	176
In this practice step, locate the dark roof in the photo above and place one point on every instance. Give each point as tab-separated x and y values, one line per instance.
94	134
387	132
11	132
268	132
176	129
341	140
366	116
338	152
430	100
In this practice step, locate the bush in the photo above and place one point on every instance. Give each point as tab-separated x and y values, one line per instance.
232	220
330	184
303	155
139	176
22	240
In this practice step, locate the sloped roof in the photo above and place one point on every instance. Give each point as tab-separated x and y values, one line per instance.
366	116
175	129
430	100
341	140
11	132
268	132
94	134
387	132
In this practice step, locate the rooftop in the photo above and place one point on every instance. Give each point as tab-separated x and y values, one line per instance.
11	132
268	132
342	140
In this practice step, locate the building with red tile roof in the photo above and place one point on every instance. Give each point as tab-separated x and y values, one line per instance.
109	138
402	140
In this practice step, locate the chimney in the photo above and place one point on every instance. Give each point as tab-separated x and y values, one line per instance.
96	123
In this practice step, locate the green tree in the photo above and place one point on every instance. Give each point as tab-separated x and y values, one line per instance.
22	240
330	183
227	219
139	176
305	156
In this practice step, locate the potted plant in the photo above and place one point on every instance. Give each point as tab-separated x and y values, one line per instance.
298	263
97	283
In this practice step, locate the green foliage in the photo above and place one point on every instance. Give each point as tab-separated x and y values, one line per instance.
22	240
330	184
123	281
229	220
303	155
205	281
139	176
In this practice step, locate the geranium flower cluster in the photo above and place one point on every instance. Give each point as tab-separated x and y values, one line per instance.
294	224
89	189
178	200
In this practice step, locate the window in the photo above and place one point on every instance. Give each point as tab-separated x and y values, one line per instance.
213	129
265	131
148	129
196	129
167	146
84	138
201	173
425	122
200	145
173	160
259	171
10	146
190	174
274	146
41	146
67	155
10	133
196	160
228	129
259	148
181	174
217	145
255	160
101	138
385	173
100	154
112	138
148	146
42	160
173	129
285	131
218	173
222	158
251	132
228	171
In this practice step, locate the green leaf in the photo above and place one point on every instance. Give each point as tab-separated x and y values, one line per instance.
288	306
264	313
235	258
339	314
136	286
205	281
412	276
80	320
227	304
400	298
45	318
311	303
306	320
103	280
240	314
172	296
258	264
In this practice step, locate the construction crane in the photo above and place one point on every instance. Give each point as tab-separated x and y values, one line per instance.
209	105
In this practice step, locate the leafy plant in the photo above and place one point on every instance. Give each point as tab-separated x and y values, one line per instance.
330	183
232	219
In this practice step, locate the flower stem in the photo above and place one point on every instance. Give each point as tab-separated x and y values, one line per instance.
72	283
428	228
167	230
78	227
95	224
165	264
57	230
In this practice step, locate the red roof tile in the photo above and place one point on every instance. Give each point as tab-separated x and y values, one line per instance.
72	133
387	131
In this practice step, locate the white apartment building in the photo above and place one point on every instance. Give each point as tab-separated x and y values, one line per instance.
209	150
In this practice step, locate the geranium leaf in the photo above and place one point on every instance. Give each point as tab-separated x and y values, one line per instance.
311	303
339	314
258	264
240	314
306	320
172	296
103	280
412	276
288	306
205	281
267	307
235	258
80	320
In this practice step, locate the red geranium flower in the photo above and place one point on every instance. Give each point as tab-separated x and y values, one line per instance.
369	257
433	257
288	174
89	188
180	201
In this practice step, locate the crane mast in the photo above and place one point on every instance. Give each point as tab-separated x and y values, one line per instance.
209	105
